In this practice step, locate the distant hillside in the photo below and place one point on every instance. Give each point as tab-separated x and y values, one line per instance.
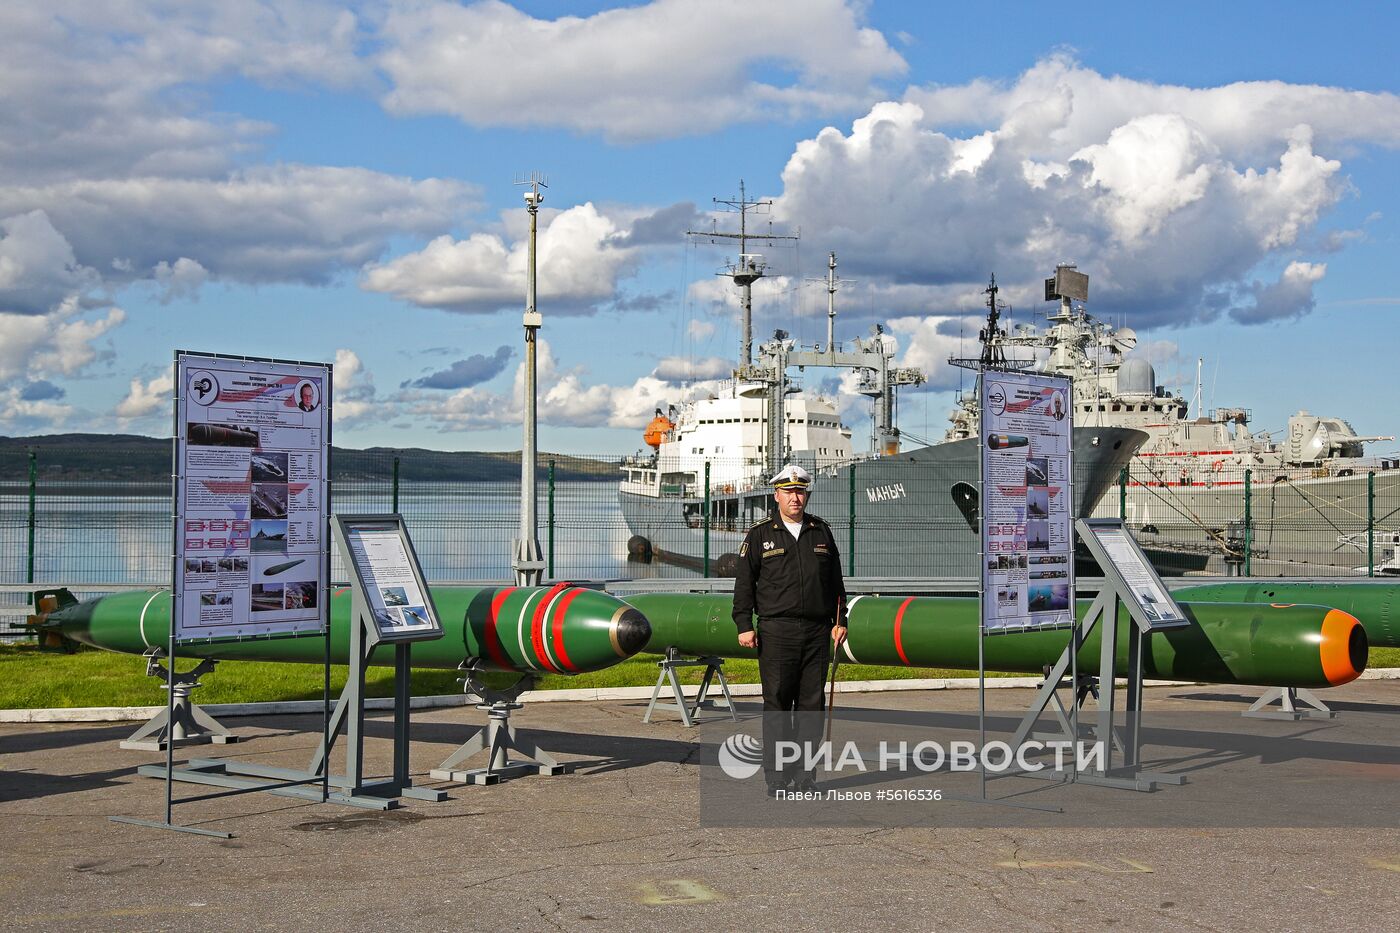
127	458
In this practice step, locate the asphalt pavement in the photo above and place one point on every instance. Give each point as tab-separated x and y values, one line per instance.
1281	826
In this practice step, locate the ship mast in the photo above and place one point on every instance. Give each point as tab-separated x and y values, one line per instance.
750	267
830	301
878	379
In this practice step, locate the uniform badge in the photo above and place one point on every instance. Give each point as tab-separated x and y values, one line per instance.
744	549
768	545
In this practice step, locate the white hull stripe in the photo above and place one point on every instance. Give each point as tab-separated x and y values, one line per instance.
846	645
146	641
527	653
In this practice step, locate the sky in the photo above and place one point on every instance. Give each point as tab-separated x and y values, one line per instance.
336	182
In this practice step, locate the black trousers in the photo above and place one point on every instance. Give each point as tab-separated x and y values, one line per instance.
793	655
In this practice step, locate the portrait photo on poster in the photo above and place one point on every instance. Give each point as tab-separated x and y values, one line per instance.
308	396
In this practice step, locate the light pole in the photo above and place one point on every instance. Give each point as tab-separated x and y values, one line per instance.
527	561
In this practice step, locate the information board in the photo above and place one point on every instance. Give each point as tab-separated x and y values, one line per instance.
378	551
1138	584
251	496
1027	541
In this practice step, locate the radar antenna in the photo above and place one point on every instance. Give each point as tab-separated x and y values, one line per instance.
750	267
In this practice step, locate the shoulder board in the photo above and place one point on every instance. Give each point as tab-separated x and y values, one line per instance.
817	520
759	524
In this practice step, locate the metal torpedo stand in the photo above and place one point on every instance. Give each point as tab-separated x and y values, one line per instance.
498	739
1128	579
690	711
1294	703
182	723
390	605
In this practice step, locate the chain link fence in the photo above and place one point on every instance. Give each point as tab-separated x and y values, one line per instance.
1214	517
100	514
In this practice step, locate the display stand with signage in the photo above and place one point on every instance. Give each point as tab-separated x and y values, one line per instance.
1022	508
250	501
1130	580
390	606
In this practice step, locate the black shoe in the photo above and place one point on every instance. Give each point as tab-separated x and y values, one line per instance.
775	786
807	785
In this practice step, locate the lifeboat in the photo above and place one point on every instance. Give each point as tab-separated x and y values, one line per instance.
657	430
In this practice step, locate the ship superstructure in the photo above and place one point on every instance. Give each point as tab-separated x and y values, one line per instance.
1187	483
907	514
1114	389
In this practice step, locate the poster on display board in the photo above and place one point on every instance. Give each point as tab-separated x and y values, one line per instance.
390	579
1027	528
252	463
1137	583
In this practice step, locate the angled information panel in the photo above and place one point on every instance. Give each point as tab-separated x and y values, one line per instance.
388	577
1027	544
1126	568
251	496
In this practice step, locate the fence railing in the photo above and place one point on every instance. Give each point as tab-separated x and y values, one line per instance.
101	514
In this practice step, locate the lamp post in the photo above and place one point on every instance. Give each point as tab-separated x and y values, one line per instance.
527	563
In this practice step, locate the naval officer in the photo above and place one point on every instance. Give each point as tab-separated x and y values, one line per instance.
790	576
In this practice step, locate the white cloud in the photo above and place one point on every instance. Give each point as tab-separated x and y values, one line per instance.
354	388
38	270
59	343
145	398
684	369
667	68
698	329
106	127
91	89
180	281
266	224
579	262
19	415
1059	106
1290	296
566	398
930	342
1170	198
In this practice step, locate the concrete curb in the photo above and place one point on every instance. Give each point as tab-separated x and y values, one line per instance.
589	695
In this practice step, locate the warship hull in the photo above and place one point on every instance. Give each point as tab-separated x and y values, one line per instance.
1300	525
915	513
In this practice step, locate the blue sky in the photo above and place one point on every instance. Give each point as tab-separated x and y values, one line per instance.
333	182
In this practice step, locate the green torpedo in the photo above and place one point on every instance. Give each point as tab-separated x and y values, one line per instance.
1227	643
1376	605
562	629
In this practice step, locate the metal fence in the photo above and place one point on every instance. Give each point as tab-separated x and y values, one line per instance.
1255	521
101	514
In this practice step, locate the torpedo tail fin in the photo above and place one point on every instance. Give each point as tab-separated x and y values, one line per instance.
49	601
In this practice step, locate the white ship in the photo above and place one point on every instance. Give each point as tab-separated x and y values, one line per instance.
915	512
1186	492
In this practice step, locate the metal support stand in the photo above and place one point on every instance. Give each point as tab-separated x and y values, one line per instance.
187	724
350	713
714	673
1086	686
498	739
1128	775
1288	699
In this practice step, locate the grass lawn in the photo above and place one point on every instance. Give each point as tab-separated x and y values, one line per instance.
34	679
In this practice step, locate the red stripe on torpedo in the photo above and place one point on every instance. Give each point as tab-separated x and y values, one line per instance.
537	627
898	624
494	649
556	633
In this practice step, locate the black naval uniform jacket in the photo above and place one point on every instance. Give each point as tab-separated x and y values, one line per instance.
780	578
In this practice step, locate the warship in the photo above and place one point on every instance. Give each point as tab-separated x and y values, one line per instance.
915	511
1185	496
